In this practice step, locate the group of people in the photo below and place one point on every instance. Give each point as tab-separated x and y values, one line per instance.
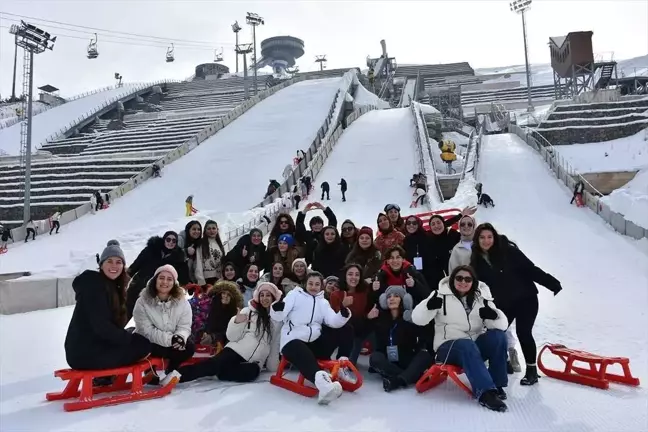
415	294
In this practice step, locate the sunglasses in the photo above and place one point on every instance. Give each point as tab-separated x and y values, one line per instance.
348	229
283	222
170	240
467	279
412	223
466	224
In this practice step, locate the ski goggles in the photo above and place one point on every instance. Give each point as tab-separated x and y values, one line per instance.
392	207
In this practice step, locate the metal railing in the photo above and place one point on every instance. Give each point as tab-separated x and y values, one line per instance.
422	130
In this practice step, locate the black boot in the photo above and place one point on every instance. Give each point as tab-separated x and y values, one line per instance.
103	381
509	368
393	383
530	377
490	400
501	393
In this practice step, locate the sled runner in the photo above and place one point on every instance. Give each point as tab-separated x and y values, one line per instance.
594	376
446	213
437	374
301	388
80	386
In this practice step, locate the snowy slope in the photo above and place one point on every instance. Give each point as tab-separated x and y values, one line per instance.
365	97
376	155
623	154
564	240
228	172
8	111
631	200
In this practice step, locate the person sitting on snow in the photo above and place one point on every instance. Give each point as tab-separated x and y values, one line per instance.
579	188
312	331
156	170
469	329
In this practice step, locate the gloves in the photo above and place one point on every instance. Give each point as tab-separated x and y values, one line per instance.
177	342
557	289
278	306
435	302
345	312
486	312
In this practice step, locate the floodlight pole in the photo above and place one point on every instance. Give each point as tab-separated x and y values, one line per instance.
236	28
526	61
13	86
254	20
27	204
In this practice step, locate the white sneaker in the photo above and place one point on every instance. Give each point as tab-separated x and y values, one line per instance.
513	358
171	377
329	390
345	374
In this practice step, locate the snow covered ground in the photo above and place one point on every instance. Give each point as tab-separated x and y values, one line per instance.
365	97
376	155
227	174
8	111
631	200
623	154
591	260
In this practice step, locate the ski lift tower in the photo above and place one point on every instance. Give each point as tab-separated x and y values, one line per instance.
254	20
521	6
236	28
321	59
33	41
244	50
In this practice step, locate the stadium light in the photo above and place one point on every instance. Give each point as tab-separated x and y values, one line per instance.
244	50
520	7
33	41
254	20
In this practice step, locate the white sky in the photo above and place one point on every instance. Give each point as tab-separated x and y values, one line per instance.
485	33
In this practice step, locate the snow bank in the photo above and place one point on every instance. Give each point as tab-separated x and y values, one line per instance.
8	114
623	154
365	97
631	200
428	109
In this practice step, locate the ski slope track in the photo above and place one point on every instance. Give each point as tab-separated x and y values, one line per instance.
601	309
228	172
50	121
376	155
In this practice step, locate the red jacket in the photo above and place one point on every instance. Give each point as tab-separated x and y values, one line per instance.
359	306
385	241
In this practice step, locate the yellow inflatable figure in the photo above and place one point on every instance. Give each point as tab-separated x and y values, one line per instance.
448	148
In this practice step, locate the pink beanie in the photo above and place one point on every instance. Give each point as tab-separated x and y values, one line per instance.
167	268
266	286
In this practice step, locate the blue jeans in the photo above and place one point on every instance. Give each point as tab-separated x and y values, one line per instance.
471	355
357	346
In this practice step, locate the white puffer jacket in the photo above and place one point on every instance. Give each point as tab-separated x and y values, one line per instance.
452	321
304	315
158	321
460	255
252	347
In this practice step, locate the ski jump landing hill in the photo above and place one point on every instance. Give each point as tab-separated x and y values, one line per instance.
241	159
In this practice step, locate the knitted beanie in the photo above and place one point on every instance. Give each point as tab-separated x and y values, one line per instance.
286	238
267	286
406	300
298	260
365	230
112	250
166	268
334	279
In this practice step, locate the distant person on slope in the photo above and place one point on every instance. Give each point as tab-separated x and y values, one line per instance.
578	193
189	206
56	217
326	189
30	228
5	235
343	188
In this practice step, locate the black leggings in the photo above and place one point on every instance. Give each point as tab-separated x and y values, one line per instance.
227	365
175	357
304	355
55	225
524	312
31	231
112	357
409	372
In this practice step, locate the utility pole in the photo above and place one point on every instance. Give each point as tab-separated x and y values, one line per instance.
13	86
236	28
321	59
254	20
244	50
33	41
521	6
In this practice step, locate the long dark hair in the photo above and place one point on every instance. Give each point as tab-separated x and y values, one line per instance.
362	285
275	228
204	242
117	290
474	289
264	323
188	240
477	250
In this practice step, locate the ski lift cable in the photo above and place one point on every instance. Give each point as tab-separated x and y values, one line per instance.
116	32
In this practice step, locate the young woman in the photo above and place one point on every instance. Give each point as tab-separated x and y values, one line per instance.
329	254
366	254
349	235
163	316
249	249
158	252
189	241
284	225
399	272
393	213
461	252
229	272
331	284
511	277
285	252
253	342
354	294
210	253
278	277
248	283
311	331
225	300
418	251
388	236
298	275
399	349
469	329
96	338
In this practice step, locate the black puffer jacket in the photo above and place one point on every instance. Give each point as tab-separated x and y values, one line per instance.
97	325
308	237
255	253
404	335
511	276
328	259
154	255
438	255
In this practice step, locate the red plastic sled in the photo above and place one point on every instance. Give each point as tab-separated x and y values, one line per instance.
594	376
85	394
447	214
437	374
301	388
3	250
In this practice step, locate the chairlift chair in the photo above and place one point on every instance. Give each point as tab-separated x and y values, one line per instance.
169	54
218	55
92	48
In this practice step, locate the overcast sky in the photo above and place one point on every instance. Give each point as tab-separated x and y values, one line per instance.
484	33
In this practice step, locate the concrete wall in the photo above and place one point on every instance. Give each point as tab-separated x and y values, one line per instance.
608	181
490	86
607	95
